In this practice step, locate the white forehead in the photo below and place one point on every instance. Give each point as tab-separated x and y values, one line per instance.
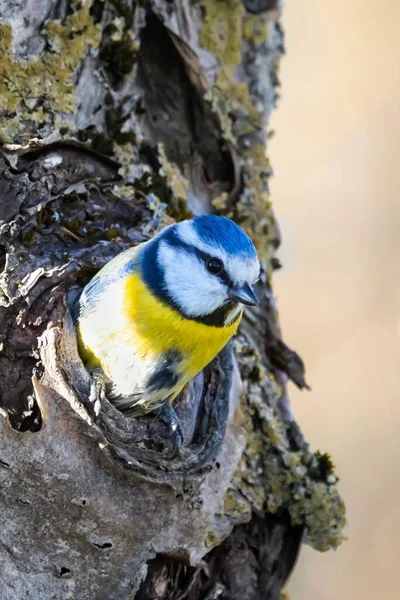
239	268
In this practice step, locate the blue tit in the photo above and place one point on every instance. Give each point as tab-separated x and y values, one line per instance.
158	313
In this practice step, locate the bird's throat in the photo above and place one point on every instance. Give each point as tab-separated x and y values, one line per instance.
158	327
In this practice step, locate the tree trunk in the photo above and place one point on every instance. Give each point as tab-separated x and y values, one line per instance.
117	117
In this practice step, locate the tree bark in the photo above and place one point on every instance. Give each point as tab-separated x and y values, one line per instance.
116	118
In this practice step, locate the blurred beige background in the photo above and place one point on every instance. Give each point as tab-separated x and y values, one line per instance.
336	157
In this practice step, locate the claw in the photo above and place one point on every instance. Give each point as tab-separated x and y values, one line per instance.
169	416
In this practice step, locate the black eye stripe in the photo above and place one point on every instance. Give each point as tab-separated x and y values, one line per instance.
176	242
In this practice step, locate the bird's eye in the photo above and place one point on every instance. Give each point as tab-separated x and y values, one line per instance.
215	266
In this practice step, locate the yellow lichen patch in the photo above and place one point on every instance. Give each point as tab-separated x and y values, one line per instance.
257	28
77	27
176	181
234	98
220	202
212	539
222	34
226	24
226	28
120	27
222	29
5	39
254	211
272	474
236	506
42	88
178	185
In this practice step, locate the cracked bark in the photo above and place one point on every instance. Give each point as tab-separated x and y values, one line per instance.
116	118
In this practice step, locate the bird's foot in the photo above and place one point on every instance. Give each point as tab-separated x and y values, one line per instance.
168	415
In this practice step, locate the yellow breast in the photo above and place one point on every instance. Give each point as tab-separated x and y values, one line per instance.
158	328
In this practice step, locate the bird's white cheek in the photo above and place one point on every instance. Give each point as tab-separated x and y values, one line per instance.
196	291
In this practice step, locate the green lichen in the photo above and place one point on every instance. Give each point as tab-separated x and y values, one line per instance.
222	29
5	40
272	475
163	189
226	27
325	467
254	211
177	184
212	539
41	89
176	181
220	203
118	54
222	34
257	29
235	506
126	9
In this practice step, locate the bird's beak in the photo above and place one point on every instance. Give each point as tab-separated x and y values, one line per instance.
244	294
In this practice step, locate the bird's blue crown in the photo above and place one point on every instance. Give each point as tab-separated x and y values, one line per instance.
221	232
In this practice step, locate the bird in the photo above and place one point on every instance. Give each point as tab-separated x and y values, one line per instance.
155	315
